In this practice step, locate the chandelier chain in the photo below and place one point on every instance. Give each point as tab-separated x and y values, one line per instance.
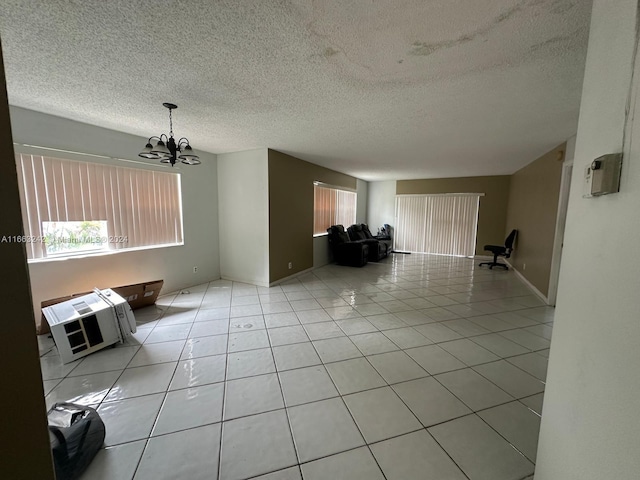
171	152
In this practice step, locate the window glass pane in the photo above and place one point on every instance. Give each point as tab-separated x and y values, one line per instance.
75	237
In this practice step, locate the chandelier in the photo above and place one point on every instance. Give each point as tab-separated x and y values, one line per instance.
167	150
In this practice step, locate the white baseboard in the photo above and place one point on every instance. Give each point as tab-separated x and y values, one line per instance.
290	277
244	280
483	257
529	284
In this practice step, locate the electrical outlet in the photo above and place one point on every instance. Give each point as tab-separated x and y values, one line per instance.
195	269
524	266
290	265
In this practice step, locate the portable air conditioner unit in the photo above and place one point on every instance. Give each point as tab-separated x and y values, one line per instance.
86	324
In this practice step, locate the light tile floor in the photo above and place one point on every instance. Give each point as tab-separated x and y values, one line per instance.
415	367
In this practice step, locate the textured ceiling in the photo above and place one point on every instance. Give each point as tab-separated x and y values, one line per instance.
377	89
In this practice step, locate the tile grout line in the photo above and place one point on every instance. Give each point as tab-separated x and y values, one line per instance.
146	443
414	415
284	403
224	387
394	392
341	396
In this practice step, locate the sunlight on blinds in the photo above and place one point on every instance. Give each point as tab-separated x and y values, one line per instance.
66	202
439	224
332	207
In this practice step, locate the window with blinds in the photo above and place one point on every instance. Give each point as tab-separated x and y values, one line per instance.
439	224
71	207
332	206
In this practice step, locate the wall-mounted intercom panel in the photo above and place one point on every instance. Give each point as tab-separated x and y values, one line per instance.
602	176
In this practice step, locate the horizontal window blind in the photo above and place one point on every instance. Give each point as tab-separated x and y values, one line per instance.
141	207
332	206
439	224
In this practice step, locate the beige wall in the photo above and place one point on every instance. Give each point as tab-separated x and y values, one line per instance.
26	452
493	205
532	209
291	211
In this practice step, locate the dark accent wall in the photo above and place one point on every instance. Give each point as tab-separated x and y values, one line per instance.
291	211
493	205
25	450
533	209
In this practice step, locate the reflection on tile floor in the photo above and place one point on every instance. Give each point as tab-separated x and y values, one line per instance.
415	367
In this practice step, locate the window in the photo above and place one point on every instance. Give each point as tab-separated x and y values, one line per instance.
74	237
71	207
332	206
440	224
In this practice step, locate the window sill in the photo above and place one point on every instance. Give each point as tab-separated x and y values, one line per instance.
59	258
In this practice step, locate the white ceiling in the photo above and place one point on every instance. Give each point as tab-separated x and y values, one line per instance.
379	89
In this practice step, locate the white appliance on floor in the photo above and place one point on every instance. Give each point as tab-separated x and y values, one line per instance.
83	325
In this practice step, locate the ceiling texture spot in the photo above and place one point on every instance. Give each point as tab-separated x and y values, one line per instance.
380	90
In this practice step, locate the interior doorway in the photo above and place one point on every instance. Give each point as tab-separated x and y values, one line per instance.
563	203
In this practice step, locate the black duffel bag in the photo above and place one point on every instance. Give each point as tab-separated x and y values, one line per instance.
76	433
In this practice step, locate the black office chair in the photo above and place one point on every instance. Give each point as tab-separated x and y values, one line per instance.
501	251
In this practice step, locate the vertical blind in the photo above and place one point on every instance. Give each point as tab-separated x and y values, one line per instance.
332	206
440	224
141	207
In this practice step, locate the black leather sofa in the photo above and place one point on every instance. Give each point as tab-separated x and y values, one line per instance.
378	249
345	251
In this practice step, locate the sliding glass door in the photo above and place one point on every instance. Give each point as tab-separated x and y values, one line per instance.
439	224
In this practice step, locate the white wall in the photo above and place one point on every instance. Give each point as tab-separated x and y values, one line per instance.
381	205
172	264
362	190
321	252
563	203
590	425
243	193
